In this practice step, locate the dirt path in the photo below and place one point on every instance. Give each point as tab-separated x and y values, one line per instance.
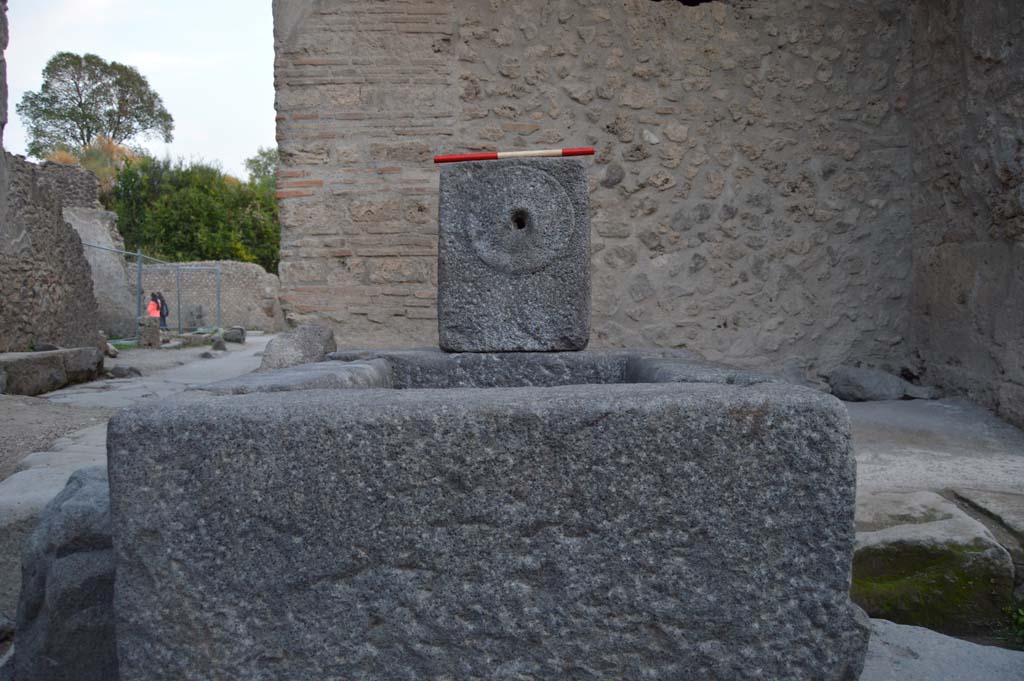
32	424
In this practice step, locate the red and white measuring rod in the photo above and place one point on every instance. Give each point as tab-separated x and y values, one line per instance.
495	155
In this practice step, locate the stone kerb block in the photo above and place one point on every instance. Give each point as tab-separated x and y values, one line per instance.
513	256
149	332
662	531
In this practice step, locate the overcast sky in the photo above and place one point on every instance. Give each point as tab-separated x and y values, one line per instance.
210	60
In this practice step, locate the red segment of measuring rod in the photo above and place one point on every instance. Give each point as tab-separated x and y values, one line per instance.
455	158
578	151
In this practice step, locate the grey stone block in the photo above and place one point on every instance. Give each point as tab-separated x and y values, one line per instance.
902	653
35	373
514	256
149	332
320	375
302	345
858	384
423	368
657	531
651	370
65	623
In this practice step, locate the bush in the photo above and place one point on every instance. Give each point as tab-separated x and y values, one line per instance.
178	211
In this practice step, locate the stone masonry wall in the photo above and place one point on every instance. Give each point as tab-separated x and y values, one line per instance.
749	195
45	285
968	212
74	186
249	294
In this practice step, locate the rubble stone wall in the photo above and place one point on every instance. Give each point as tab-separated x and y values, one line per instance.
968	209
72	185
749	197
45	282
249	294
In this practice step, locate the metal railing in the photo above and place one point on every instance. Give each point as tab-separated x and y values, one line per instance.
144	263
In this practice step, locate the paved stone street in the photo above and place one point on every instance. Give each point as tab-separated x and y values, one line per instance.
42	474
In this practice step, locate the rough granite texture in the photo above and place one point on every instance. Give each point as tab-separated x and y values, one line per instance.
750	196
657	531
513	270
65	626
427	368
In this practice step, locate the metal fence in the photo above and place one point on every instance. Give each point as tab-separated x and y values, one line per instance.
182	285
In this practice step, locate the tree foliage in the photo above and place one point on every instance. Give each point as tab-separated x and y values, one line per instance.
193	211
262	167
84	97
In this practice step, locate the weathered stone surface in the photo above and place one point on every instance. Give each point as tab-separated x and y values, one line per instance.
374	373
858	384
788	245
109	350
921	560
44	277
115	296
513	256
149	332
650	370
426	368
218	343
35	373
606	531
968	233
301	345
236	334
65	614
902	653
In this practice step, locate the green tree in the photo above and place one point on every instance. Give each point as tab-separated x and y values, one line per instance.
84	97
194	211
262	167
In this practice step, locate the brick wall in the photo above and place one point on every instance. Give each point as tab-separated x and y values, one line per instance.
749	197
968	144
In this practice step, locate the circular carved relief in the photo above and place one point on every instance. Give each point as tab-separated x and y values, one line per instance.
520	220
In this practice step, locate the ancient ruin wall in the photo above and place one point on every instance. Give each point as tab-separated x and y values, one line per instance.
45	285
968	212
72	185
749	195
249	294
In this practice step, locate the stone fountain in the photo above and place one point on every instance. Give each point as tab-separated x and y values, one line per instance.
511	506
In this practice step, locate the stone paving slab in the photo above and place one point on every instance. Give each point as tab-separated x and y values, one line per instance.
902	653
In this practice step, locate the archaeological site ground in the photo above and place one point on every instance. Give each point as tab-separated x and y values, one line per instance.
733	390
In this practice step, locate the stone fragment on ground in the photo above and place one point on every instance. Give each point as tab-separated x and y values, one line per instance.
149	332
921	560
110	351
302	345
236	334
65	624
904	653
35	373
858	384
218	343
374	373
